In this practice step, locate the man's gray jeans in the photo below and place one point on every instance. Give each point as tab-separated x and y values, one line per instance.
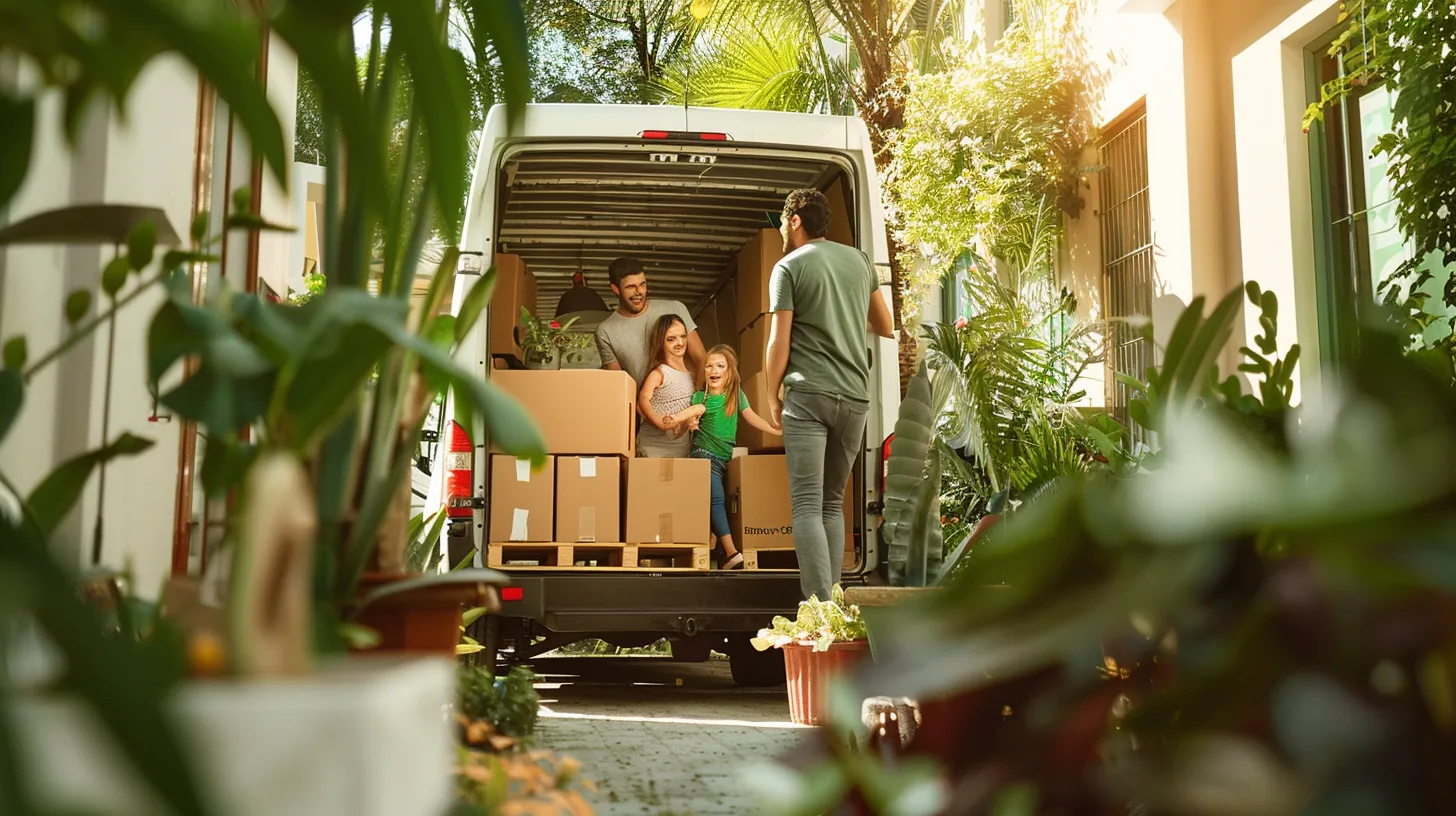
822	435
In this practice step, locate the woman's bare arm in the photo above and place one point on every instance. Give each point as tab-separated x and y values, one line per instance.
650	385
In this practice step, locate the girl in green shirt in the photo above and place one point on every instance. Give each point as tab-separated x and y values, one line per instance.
714	412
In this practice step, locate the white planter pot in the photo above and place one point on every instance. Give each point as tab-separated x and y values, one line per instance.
364	737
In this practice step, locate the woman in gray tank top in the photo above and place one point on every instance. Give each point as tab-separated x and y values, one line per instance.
666	390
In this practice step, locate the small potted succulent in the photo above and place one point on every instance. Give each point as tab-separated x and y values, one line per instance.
548	342
825	640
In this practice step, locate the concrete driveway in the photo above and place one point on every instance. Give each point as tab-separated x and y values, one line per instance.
662	738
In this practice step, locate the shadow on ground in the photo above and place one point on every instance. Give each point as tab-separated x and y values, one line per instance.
659	737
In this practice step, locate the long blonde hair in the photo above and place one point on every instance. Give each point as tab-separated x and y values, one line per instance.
730	386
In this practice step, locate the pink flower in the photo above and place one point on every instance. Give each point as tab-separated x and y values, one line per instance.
555	324
961	322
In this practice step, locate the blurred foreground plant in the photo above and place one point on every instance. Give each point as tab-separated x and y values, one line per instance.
1264	624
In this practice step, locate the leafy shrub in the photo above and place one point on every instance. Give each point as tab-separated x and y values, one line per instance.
510	703
819	623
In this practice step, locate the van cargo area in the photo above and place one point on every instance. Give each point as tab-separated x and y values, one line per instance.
699	210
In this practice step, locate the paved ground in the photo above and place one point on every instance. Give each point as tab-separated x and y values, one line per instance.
662	738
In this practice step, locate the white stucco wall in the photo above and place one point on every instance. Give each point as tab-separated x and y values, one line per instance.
144	160
1223	83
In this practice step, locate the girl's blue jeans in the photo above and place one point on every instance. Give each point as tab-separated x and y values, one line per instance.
718	517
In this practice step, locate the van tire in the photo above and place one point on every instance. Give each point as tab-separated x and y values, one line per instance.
754	669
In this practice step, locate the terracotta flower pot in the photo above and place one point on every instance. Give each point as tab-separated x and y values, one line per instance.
810	672
424	620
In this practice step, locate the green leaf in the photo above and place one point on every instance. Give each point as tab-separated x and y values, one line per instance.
1183	332
200	224
359	636
242	201
502	23
1205	346
16	352
54	497
177	257
12	397
141	244
475	302
473	614
113	277
16	144
78	303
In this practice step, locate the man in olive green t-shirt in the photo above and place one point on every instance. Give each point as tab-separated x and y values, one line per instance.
821	294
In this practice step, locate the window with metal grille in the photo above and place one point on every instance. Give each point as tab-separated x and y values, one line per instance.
1127	251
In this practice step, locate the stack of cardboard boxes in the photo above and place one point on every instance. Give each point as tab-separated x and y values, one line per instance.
591	490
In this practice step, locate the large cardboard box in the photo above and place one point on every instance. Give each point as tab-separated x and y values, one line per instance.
760	511
667	501
756	388
579	411
708	330
515	287
589	499
755	264
522	500
725	308
840	215
753	347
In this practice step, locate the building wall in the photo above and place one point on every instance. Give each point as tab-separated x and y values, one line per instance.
1224	86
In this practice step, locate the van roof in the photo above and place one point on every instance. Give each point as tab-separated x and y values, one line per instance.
579	187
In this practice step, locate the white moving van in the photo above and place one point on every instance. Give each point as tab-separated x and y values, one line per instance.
681	190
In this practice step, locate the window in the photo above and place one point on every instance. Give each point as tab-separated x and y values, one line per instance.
1358	239
1127	250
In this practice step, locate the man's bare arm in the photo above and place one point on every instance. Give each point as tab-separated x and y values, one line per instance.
778	360
881	322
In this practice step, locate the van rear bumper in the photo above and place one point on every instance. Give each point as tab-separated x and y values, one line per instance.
689	604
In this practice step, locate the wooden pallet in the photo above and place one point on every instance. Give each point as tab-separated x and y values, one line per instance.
635	557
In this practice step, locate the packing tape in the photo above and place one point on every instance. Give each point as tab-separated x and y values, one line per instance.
588	467
523	470
519	517
586	524
664	470
664	528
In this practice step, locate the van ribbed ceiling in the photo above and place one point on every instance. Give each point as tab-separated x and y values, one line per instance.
564	210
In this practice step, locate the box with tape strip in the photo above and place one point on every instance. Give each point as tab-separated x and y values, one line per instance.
667	501
522	500
589	499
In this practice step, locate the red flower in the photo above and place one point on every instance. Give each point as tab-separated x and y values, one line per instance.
555	324
961	322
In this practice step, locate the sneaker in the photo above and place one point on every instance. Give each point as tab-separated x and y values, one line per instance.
736	562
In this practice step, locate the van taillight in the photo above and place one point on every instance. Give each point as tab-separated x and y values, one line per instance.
680	135
459	473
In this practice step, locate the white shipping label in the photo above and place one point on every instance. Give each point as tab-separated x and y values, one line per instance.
588	467
523	470
518	523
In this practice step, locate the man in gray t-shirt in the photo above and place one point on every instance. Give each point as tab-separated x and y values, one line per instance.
823	296
623	338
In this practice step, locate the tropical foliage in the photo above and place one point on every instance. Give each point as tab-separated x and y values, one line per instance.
992	141
286	385
1411	46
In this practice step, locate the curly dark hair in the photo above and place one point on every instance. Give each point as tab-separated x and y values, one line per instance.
623	268
812	208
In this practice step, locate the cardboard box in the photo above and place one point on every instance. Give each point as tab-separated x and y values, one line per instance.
760	511
756	441
667	501
841	217
725	309
522	501
753	347
586	412
589	499
515	287
708	329
755	264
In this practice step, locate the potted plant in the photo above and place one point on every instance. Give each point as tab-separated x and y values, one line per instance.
548	342
311	413
825	640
